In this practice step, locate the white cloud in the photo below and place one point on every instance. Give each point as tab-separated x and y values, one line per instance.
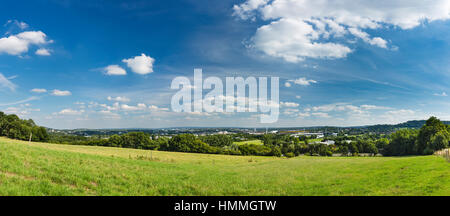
140	64
139	106
156	108
376	41
400	112
298	96
20	43
21	110
309	28
13	45
303	115
245	10
70	112
118	99
443	94
289	104
290	111
57	92
43	52
114	70
293	40
6	83
38	90
321	114
21	25
33	37
373	107
287	84
345	107
303	81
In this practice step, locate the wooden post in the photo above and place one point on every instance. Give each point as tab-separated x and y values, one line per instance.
31	135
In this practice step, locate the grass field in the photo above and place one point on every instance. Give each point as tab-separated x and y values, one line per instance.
50	169
255	142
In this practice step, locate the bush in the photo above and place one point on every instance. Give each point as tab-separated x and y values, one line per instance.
290	155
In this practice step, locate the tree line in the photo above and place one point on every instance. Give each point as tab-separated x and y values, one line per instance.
433	136
13	127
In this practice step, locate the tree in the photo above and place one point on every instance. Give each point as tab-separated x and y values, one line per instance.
432	126
382	143
438	141
403	142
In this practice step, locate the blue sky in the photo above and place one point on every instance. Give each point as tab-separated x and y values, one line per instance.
379	65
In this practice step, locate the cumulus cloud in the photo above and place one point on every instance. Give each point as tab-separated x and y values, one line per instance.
293	40
38	90
309	28
246	10
20	43
139	106
142	64
118	99
43	52
114	70
57	92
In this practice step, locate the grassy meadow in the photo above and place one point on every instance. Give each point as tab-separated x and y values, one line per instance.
52	169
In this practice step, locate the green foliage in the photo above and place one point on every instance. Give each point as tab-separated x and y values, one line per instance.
219	140
290	155
433	136
13	127
438	141
402	143
189	143
252	149
432	127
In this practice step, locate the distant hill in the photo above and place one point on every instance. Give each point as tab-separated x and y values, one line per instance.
414	124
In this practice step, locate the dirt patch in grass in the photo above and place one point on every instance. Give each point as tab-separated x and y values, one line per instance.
15	175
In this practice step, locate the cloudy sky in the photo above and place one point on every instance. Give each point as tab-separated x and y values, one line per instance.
110	64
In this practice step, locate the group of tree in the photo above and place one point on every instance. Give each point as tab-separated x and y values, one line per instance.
433	136
13	127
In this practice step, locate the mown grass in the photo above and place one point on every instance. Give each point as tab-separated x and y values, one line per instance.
51	169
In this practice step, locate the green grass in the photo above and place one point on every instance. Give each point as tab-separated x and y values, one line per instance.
255	142
50	169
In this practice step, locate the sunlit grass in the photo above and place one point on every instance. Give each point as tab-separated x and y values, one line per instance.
255	142
51	169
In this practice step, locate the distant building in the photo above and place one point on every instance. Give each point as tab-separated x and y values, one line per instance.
328	142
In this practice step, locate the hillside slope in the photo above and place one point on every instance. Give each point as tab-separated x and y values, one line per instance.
49	169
